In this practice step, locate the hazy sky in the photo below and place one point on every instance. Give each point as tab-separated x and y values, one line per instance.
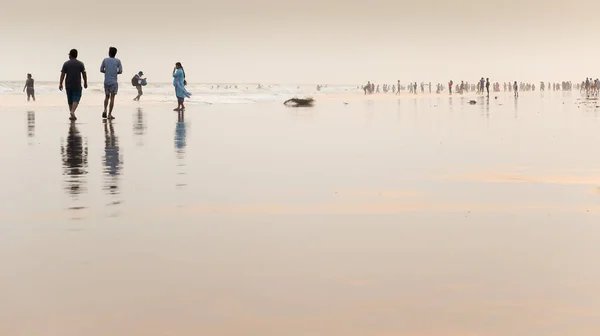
309	41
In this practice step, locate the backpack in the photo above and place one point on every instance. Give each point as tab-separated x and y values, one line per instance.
134	81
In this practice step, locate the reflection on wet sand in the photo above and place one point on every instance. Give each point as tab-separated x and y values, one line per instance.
180	144
380	208
287	227
180	135
112	163
75	161
30	124
487	107
593	180
139	126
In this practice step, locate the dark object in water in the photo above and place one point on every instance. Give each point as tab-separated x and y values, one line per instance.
472	102
299	102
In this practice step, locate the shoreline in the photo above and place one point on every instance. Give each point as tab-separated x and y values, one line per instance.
95	99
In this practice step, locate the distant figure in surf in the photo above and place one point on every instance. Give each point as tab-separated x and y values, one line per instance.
487	86
450	83
29	87
111	67
179	83
138	81
516	89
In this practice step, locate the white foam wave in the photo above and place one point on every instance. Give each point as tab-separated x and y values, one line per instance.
201	93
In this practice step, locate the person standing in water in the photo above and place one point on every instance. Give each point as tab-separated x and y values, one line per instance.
138	81
29	87
179	83
73	70
516	89
487	86
111	67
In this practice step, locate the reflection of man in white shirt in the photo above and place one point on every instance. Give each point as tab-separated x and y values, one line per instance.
140	80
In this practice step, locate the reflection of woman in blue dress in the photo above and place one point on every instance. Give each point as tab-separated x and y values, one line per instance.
180	83
180	134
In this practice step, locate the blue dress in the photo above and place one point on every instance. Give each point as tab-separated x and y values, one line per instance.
180	90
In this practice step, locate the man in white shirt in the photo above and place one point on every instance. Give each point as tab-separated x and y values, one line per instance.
111	67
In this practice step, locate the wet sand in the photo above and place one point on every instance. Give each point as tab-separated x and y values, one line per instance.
424	216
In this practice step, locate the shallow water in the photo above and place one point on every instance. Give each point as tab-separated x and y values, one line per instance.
423	216
217	93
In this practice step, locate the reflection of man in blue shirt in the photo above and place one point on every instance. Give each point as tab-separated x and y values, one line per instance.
112	159
110	67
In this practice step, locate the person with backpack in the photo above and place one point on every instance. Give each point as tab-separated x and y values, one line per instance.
138	81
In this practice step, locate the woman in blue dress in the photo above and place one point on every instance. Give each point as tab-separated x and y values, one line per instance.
180	83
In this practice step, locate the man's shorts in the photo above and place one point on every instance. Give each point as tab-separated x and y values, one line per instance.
111	89
73	95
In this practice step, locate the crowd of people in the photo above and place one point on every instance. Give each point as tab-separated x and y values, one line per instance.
589	87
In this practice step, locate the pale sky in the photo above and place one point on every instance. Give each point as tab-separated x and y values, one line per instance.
330	41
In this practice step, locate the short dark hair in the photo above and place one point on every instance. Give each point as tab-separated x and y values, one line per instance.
112	51
73	53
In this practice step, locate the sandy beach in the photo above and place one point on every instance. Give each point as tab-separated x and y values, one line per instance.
384	216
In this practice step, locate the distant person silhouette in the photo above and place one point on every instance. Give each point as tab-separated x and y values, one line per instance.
138	81
481	86
111	67
29	87
73	70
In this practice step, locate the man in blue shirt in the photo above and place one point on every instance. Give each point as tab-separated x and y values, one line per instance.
111	67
